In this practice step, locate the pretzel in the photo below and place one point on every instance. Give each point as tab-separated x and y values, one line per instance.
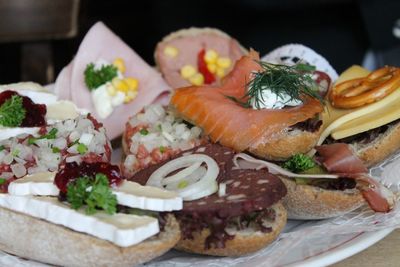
362	91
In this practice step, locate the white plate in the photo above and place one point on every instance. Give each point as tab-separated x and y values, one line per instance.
348	246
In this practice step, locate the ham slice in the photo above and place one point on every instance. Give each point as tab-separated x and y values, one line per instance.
101	43
338	158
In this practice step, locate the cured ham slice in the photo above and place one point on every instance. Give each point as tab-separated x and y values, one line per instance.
339	158
101	43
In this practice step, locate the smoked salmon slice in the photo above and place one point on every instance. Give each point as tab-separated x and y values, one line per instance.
228	122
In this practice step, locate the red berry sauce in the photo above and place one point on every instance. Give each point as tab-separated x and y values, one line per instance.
72	171
35	113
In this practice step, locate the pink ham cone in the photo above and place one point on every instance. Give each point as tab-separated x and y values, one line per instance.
101	42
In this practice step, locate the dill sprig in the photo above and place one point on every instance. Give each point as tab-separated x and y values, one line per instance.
294	81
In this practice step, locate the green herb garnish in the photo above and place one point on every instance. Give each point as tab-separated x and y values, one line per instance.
12	112
299	163
2	181
55	149
15	153
94	193
162	149
2	147
95	78
144	131
50	135
294	81
82	148
282	80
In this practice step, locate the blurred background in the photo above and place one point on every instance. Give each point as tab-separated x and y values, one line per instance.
39	37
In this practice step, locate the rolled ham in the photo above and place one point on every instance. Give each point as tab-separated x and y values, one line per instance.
188	43
101	43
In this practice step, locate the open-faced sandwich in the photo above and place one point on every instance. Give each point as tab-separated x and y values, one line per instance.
197	56
226	212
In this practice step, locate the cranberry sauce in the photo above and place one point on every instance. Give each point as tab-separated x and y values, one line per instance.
72	171
35	113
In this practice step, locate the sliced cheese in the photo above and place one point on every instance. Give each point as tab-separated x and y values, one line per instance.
6	132
383	116
38	184
129	194
134	195
123	230
334	119
62	110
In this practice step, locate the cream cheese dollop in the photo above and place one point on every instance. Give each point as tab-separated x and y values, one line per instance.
267	99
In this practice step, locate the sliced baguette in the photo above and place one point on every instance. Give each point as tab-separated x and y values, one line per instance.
306	202
36	239
245	241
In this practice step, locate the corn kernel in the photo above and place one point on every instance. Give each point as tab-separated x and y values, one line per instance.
171	51
132	83
224	62
197	79
111	90
130	96
120	85
188	71
220	72
119	63
211	56
212	67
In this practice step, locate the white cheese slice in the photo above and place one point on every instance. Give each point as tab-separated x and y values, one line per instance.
129	194
62	110
123	230
38	184
6	132
134	195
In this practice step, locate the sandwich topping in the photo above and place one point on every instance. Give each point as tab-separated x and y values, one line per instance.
20	111
109	88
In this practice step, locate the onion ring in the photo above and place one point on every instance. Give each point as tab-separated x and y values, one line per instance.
363	91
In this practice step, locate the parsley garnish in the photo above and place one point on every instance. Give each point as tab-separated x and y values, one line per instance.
12	112
82	148
2	147
95	78
55	149
144	131
299	163
94	193
50	135
2	181
162	149
15	153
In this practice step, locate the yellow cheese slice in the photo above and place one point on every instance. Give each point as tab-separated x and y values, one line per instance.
349	122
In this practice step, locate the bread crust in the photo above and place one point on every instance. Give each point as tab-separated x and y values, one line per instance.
380	148
306	202
285	145
39	240
243	243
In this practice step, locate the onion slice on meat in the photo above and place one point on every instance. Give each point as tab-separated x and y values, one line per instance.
253	163
198	181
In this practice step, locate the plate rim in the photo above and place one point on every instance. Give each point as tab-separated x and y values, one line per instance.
355	244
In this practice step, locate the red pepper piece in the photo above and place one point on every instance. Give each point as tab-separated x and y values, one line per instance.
202	66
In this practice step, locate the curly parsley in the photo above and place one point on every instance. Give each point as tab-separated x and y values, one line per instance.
94	193
95	78
299	163
12	112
